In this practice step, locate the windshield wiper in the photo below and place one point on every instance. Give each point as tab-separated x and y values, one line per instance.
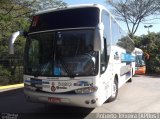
44	68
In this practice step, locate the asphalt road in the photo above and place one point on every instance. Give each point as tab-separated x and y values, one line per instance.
13	102
142	95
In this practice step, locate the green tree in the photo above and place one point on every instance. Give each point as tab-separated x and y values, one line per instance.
16	15
150	44
47	4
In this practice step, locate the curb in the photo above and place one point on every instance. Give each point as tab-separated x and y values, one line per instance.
11	87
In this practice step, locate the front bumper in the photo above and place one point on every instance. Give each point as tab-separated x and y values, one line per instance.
80	100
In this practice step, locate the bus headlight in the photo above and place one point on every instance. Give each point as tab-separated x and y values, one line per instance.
86	90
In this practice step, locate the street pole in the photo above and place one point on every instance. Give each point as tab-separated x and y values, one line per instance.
149	26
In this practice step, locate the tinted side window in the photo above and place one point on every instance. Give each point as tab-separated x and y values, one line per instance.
116	32
120	38
125	42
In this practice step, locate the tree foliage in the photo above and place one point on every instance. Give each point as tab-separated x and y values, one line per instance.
47	4
133	12
16	15
150	44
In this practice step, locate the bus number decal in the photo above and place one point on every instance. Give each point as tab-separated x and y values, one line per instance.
64	84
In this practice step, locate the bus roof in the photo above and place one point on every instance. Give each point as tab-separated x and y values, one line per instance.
138	51
72	7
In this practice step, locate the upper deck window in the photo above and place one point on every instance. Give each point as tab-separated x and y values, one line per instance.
71	18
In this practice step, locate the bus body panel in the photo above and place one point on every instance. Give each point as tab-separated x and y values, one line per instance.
83	100
121	68
140	70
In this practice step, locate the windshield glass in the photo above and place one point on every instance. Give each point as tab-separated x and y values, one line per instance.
62	53
140	60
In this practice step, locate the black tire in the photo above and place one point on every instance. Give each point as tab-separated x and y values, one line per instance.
115	93
130	80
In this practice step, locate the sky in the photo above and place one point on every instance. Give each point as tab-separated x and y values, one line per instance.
141	29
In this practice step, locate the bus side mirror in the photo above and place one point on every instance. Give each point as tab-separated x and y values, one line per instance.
12	40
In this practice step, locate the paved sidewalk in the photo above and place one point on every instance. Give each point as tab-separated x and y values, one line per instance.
11	87
140	96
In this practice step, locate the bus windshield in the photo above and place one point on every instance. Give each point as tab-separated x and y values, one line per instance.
140	60
61	53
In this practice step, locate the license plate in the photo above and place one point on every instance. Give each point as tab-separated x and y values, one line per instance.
54	100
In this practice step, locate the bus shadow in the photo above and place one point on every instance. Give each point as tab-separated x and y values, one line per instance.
149	75
14	101
136	75
153	75
65	112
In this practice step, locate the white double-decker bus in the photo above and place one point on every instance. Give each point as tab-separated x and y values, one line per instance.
75	56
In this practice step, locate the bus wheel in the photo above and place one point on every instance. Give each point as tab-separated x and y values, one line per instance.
130	80
114	91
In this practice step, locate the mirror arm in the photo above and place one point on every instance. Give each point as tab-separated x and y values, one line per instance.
12	40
